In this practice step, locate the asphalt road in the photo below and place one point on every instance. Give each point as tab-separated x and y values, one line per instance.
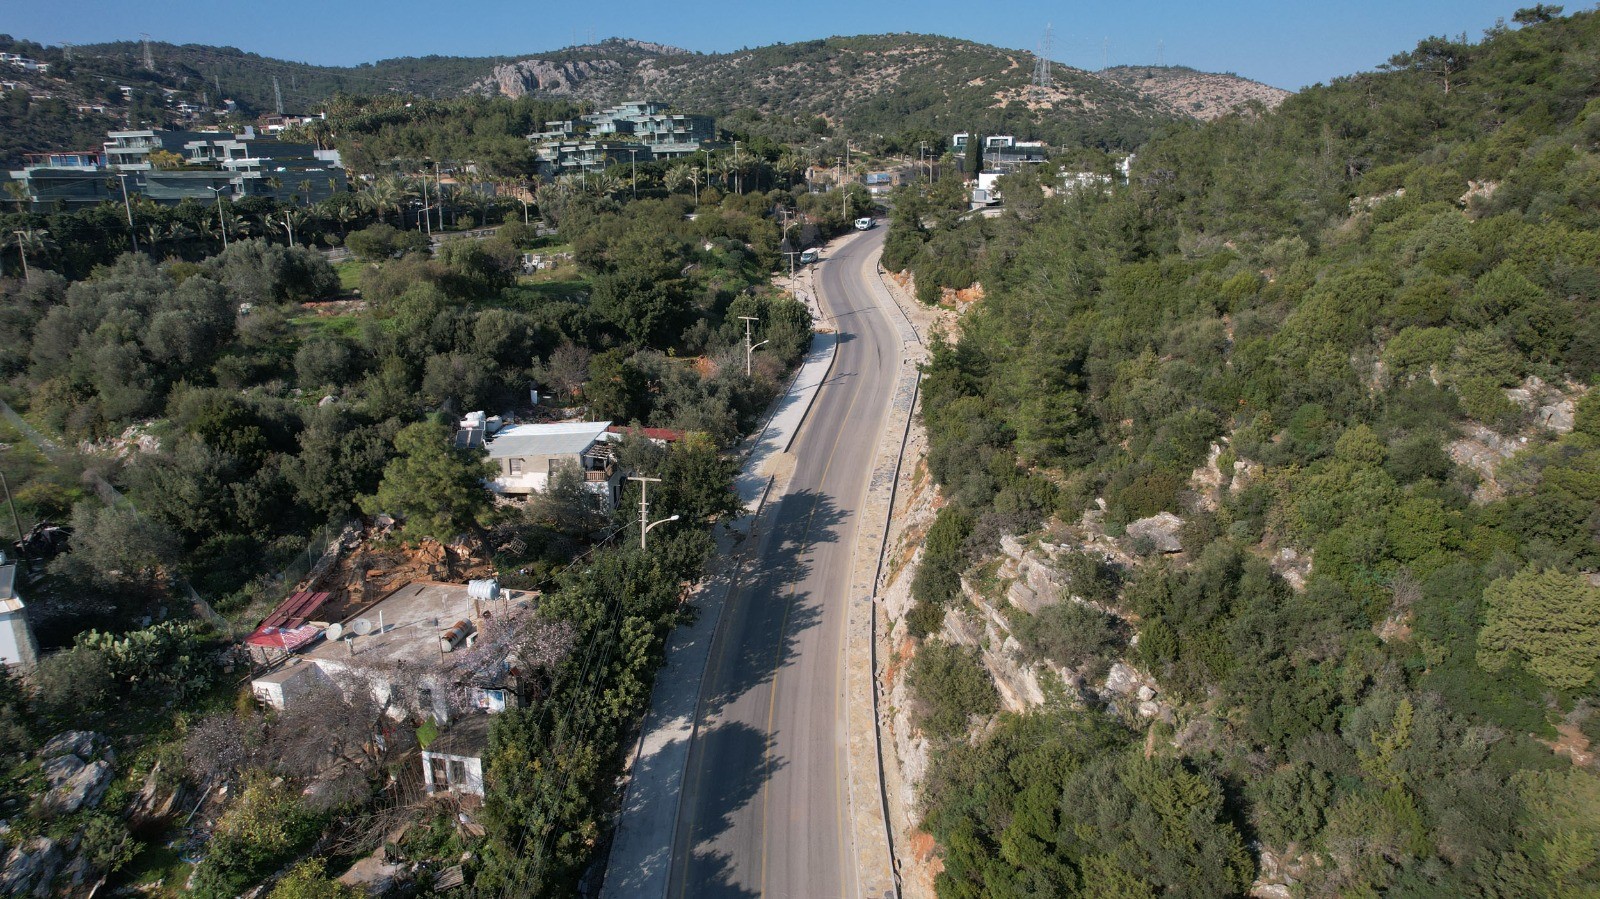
764	810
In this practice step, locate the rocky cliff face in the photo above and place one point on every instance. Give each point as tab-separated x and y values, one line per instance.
548	77
1194	94
600	72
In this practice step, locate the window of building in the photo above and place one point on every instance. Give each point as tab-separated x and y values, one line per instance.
458	773
515	466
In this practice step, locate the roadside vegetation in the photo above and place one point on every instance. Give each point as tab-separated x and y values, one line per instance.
1320	304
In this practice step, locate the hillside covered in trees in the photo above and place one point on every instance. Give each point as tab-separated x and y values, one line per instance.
875	85
1298	427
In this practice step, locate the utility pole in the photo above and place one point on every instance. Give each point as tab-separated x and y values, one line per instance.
277	95
12	503
645	524
844	195
149	57
127	207
738	176
221	220
427	214
633	160
22	250
748	347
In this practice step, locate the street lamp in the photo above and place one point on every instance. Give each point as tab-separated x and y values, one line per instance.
221	220
748	347
645	524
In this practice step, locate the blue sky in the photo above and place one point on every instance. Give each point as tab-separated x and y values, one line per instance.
1286	44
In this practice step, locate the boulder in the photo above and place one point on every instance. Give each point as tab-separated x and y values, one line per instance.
80	743
62	768
1559	417
30	868
1121	680
1012	546
83	790
1161	530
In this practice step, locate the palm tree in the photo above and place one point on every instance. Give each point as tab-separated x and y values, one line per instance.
387	194
32	240
290	220
606	183
728	168
684	173
305	192
790	164
19	194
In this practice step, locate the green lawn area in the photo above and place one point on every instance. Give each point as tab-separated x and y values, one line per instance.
314	325
349	274
534	290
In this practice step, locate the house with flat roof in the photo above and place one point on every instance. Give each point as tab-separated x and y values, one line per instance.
527	455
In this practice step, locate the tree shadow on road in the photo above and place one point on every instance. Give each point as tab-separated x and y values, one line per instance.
740	762
768	614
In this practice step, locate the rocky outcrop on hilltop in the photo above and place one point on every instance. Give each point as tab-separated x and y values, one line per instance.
598	72
1194	94
549	77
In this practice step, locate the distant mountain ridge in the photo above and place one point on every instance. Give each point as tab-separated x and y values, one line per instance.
885	84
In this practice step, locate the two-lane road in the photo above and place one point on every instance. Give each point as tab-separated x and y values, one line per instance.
765	806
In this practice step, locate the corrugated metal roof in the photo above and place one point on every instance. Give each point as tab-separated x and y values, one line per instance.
557	439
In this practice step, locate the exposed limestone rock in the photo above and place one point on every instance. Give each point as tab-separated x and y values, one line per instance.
80	743
1016	681
1208	480
1559	416
77	765
1294	568
1482	450
1280	873
154	804
961	628
544	76
1161	530
29	868
1121	680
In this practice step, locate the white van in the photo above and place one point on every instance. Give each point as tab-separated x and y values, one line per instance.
864	224
809	256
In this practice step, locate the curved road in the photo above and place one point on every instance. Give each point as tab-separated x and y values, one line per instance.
765	805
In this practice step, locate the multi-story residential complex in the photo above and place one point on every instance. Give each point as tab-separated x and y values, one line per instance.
666	134
213	164
576	156
638	131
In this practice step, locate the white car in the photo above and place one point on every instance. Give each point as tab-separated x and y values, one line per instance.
864	224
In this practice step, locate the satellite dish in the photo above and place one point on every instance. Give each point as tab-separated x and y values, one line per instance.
361	627
334	632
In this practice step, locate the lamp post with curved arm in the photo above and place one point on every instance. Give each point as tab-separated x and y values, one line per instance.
645	524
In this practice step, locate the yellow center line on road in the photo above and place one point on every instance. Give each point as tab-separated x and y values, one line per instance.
772	699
